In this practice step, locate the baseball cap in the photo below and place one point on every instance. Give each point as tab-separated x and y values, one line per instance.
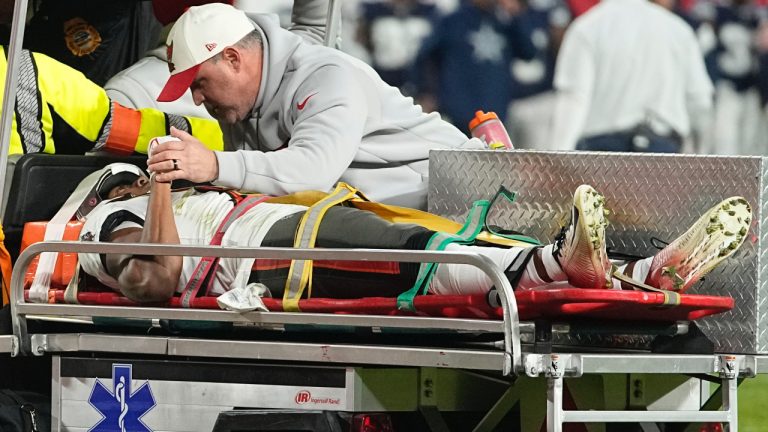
199	34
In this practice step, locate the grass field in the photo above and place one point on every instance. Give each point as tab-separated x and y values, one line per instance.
753	404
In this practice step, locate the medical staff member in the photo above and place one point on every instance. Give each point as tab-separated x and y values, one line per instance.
295	116
629	76
59	110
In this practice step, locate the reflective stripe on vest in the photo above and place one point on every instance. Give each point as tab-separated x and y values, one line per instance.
28	108
27	133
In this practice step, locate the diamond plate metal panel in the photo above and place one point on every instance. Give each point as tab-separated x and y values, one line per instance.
649	195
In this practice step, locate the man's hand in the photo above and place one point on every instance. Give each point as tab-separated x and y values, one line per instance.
187	159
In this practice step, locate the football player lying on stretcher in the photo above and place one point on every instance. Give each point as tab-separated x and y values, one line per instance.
137	209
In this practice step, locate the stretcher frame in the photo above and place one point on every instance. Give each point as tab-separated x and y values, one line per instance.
507	358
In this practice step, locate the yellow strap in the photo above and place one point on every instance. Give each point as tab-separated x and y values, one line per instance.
671	298
395	214
300	273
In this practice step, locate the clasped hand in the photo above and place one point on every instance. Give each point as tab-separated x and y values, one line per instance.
187	159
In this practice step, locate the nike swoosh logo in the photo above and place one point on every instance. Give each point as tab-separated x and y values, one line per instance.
575	223
301	105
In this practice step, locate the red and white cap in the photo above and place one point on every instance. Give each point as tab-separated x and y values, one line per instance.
199	34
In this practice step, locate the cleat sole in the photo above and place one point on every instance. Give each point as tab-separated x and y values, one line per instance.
714	237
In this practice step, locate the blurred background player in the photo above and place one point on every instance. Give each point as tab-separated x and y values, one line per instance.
739	125
392	31
464	65
533	97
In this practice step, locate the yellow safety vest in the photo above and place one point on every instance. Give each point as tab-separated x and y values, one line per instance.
59	110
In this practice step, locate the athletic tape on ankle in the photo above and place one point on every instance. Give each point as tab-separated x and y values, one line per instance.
671	298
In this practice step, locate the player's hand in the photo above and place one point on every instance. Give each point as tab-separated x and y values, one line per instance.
187	159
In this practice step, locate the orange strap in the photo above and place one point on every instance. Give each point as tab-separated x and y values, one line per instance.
126	123
5	269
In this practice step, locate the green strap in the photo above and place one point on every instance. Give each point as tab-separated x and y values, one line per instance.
477	221
509	196
438	242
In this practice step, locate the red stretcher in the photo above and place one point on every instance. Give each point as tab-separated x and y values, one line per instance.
560	303
476	314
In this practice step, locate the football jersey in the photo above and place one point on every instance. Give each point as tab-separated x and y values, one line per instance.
394	35
735	55
197	216
531	77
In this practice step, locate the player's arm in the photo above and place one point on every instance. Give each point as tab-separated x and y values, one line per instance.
149	278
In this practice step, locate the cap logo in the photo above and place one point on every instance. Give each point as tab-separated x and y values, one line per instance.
169	52
210	46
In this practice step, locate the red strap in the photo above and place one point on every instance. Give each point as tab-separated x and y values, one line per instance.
208	265
235	195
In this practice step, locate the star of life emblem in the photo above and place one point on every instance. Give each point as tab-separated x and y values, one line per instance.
121	409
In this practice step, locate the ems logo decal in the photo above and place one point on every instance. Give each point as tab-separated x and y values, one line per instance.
121	409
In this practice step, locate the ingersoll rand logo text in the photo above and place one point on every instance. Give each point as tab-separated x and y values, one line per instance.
304	396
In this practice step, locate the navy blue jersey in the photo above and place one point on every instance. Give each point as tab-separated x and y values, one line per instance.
469	54
762	80
735	56
701	20
531	77
393	34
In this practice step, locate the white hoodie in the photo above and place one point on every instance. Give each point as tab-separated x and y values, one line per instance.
332	119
